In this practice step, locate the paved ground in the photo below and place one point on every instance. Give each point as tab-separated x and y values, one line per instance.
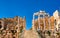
30	34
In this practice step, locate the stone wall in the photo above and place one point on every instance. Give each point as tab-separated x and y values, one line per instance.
11	27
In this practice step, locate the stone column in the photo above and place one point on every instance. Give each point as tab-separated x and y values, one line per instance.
33	23
39	22
18	23
54	27
2	24
49	23
44	21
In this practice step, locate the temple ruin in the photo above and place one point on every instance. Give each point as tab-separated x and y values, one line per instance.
12	27
44	22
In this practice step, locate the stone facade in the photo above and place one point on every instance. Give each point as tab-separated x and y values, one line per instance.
12	27
57	19
42	22
48	26
46	22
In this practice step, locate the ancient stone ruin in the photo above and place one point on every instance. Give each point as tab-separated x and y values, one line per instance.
12	27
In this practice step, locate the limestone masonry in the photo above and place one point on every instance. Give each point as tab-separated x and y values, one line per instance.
12	27
43	26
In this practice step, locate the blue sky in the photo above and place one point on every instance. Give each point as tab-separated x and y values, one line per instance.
11	8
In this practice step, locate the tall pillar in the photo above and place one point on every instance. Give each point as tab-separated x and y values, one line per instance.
2	24
49	23
18	23
38	22
44	21
54	27
33	23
